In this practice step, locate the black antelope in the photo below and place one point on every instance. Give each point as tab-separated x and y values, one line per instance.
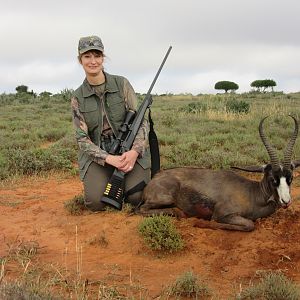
223	196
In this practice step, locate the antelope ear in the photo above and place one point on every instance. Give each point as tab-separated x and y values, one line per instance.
255	169
295	164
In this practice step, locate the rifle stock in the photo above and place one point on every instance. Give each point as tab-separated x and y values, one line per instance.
114	191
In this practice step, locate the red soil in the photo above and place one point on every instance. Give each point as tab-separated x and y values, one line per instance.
228	260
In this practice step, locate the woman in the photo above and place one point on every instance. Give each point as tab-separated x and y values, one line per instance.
99	106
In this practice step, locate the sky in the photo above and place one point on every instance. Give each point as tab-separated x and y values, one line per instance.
212	40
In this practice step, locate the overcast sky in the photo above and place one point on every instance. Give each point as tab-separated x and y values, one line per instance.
213	40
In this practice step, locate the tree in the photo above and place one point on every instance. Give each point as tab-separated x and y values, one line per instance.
45	94
22	89
263	84
226	85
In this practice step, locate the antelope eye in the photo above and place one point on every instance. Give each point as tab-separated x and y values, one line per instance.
289	179
274	181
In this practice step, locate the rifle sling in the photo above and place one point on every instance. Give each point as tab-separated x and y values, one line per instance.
139	187
154	148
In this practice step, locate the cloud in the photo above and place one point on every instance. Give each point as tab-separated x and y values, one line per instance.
40	76
212	40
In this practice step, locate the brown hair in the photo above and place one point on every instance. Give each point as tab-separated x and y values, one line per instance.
95	52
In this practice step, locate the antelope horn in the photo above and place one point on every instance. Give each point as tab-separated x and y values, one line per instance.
289	148
270	149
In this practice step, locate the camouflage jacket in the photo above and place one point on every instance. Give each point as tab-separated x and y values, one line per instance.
87	112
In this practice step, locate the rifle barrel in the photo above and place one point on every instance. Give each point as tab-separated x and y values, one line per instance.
159	70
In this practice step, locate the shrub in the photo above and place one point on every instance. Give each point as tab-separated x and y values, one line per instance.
75	206
159	233
66	94
24	98
45	95
169	120
20	291
273	286
7	99
189	285
3	167
30	162
109	293
99	240
195	107
236	106
22	89
52	134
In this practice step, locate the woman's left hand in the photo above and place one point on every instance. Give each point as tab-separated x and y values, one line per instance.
128	160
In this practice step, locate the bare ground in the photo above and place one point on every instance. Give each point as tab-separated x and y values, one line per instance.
33	210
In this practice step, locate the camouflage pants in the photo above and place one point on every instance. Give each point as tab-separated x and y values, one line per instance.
97	176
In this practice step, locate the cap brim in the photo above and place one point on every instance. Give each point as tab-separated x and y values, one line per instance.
90	48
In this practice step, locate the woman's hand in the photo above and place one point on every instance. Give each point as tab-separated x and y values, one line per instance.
124	162
128	160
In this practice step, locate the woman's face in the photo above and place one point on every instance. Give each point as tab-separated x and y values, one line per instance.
91	62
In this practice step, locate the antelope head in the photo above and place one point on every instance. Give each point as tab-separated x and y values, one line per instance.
280	175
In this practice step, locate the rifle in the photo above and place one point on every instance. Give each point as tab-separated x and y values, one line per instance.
114	191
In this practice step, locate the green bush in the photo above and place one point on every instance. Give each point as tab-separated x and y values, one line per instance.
159	233
7	99
30	162
273	286
52	134
66	94
195	107
169	120
189	285
238	107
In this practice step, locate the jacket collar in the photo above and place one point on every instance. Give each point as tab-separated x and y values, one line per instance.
110	86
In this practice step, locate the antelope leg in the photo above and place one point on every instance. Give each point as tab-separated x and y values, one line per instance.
146	210
230	222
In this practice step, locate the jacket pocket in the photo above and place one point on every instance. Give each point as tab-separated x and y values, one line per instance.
116	108
90	111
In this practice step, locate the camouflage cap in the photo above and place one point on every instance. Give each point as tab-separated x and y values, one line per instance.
90	43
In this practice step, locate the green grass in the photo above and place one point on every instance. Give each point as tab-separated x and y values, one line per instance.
33	134
215	138
37	134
